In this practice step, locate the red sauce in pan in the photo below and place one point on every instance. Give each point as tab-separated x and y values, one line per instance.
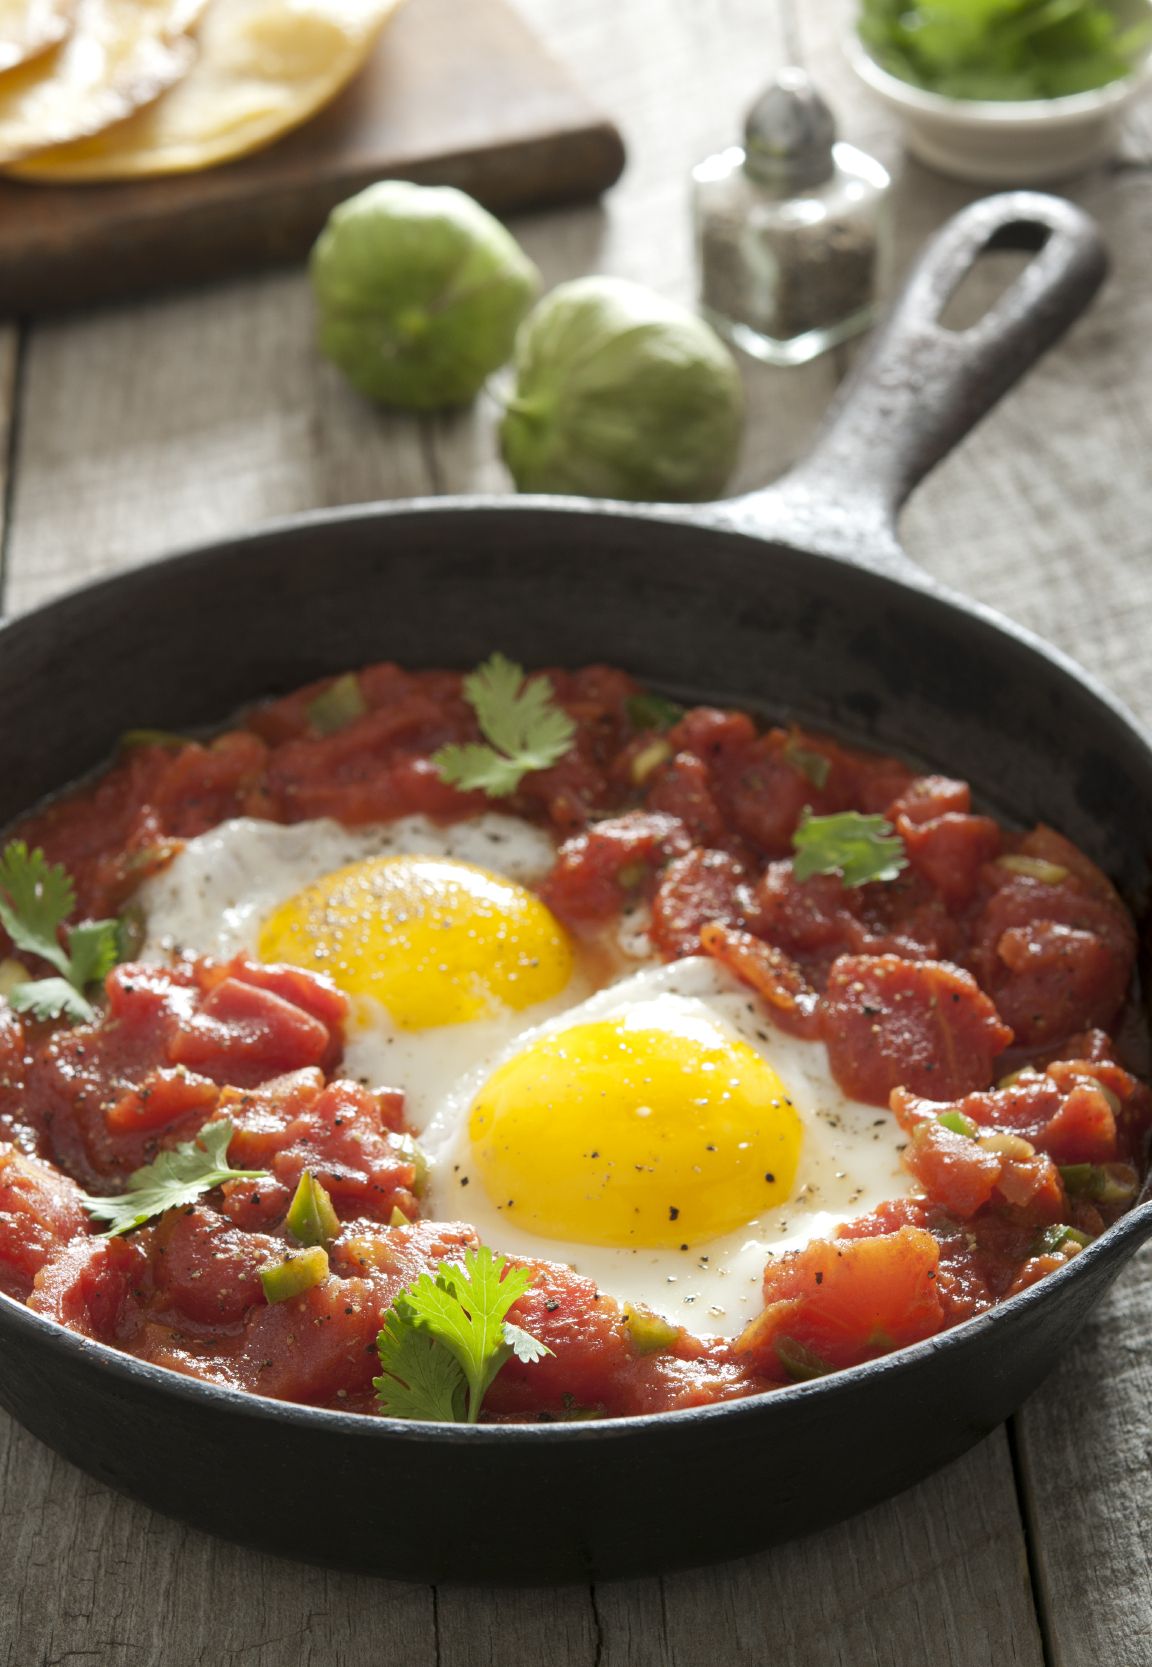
977	996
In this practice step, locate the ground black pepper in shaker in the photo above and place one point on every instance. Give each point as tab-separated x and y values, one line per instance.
791	229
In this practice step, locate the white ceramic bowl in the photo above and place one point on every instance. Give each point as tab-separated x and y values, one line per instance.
1003	142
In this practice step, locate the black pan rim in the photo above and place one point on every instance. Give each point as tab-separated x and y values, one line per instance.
731	519
714	519
175	1386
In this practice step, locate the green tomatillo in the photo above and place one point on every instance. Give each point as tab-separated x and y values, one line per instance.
420	293
621	393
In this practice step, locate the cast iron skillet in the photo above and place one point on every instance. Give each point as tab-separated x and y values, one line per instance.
802	605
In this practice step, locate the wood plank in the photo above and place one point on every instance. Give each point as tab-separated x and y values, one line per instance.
1083	1442
459	95
93	1580
478	1627
143	429
939	1574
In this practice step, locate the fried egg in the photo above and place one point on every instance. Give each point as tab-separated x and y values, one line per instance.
432	932
651	1128
664	1139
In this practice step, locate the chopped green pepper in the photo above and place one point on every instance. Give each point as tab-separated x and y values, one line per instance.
957	1123
648	760
813	766
336	706
311	1217
1034	868
410	1150
12	973
649	1332
131	930
799	1361
1056	1237
295	1274
1103	1183
652	712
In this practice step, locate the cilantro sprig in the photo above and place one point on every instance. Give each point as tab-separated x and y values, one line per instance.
858	848
178	1176
519	719
446	1337
36	898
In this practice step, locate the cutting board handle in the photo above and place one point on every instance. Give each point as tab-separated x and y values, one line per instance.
921	386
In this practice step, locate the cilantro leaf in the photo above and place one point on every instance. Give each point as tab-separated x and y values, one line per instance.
858	848
335	707
525	728
471	766
461	1311
421	1378
36	897
178	1176
51	998
524	1346
94	949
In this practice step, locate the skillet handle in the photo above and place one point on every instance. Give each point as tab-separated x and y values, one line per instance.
921	386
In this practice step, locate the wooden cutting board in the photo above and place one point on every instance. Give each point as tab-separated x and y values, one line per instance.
458	92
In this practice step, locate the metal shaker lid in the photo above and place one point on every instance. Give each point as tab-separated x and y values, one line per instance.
789	133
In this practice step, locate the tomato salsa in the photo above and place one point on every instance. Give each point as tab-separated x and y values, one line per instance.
978	995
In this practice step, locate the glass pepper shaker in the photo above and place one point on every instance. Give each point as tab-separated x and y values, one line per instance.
791	229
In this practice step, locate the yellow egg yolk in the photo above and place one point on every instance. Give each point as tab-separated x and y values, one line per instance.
612	1134
436	942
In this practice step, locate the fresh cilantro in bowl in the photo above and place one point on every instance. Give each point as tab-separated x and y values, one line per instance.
1007	50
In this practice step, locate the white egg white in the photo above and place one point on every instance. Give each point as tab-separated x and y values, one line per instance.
216	894
849	1156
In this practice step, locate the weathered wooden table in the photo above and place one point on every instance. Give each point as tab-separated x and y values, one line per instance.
127	431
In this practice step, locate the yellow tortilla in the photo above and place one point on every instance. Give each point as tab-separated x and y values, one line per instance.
121	55
264	67
29	27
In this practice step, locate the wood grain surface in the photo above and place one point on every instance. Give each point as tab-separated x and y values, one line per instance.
140	428
456	94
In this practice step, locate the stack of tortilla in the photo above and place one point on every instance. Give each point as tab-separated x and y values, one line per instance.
120	89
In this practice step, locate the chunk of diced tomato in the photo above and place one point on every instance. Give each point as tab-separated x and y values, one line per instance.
40	1211
312	992
167	1095
595	871
90	1286
774	976
949	851
835	1304
695	890
243	1035
923	1025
